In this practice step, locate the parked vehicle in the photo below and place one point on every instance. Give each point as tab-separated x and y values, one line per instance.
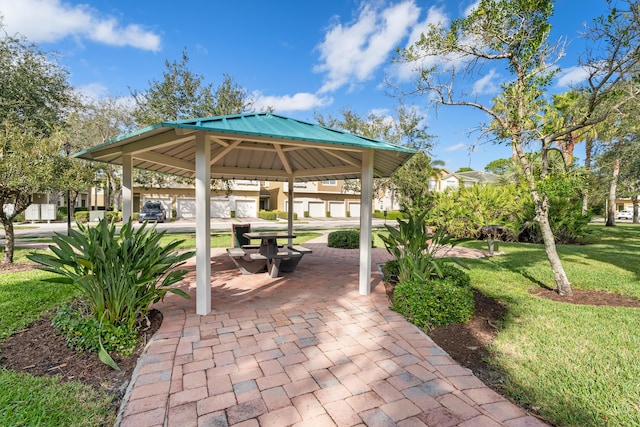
625	214
152	211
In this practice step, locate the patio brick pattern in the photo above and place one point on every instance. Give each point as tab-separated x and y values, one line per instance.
304	350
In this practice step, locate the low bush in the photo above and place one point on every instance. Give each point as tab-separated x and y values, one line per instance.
391	271
61	213
113	216
81	217
285	214
344	239
268	215
83	332
273	215
391	215
436	302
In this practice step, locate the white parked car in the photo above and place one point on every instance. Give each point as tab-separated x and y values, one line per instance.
625	215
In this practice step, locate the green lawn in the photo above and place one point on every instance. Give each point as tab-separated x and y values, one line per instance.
26	400
577	365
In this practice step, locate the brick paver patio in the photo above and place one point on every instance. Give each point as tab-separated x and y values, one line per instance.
305	350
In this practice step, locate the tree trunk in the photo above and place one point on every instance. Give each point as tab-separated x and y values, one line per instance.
562	281
20	203
71	203
541	205
9	236
634	201
588	147
613	187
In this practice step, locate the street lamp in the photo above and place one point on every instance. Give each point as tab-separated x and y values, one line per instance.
68	149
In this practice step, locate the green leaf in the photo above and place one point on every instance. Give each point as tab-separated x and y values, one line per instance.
106	358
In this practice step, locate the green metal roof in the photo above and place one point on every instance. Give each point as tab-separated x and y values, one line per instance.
252	146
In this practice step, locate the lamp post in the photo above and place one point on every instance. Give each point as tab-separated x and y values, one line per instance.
68	149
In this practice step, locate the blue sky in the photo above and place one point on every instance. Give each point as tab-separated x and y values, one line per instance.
300	57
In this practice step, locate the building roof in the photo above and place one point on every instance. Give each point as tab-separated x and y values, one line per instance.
252	146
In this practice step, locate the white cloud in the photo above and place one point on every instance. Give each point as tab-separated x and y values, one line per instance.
302	101
457	147
93	91
53	20
351	53
487	84
406	71
572	75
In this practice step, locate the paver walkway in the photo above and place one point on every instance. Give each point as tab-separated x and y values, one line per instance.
306	350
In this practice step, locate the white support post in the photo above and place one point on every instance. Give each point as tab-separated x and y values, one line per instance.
203	225
290	213
127	187
366	212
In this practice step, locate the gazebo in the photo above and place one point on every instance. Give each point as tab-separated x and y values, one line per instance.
254	146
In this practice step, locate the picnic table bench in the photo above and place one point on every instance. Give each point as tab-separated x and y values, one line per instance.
273	258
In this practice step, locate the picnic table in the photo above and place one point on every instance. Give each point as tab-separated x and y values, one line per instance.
275	258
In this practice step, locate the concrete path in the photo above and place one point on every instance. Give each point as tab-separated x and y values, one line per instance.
306	350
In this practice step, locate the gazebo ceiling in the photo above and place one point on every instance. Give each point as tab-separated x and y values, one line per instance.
252	146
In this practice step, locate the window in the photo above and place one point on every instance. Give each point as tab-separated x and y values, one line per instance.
332	182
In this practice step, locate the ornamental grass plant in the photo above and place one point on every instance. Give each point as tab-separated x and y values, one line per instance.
120	274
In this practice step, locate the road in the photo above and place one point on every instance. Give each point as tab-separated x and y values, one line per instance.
32	230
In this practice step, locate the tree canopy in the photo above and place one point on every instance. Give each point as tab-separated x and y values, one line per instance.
35	97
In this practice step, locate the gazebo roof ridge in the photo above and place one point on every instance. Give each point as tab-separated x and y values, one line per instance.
342	137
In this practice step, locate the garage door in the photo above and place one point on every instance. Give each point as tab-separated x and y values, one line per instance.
186	208
337	210
298	208
354	209
220	208
246	208
316	210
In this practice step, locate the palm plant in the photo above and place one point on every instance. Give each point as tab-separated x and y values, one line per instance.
122	274
419	252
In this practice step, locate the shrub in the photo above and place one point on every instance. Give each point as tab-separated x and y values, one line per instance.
113	216
436	302
273	215
306	214
390	271
120	275
19	217
415	247
285	214
344	239
81	217
61	213
391	215
83	332
268	215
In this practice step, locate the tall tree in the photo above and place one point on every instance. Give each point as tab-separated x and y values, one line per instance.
34	98
94	123
183	94
514	34
407	128
498	166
